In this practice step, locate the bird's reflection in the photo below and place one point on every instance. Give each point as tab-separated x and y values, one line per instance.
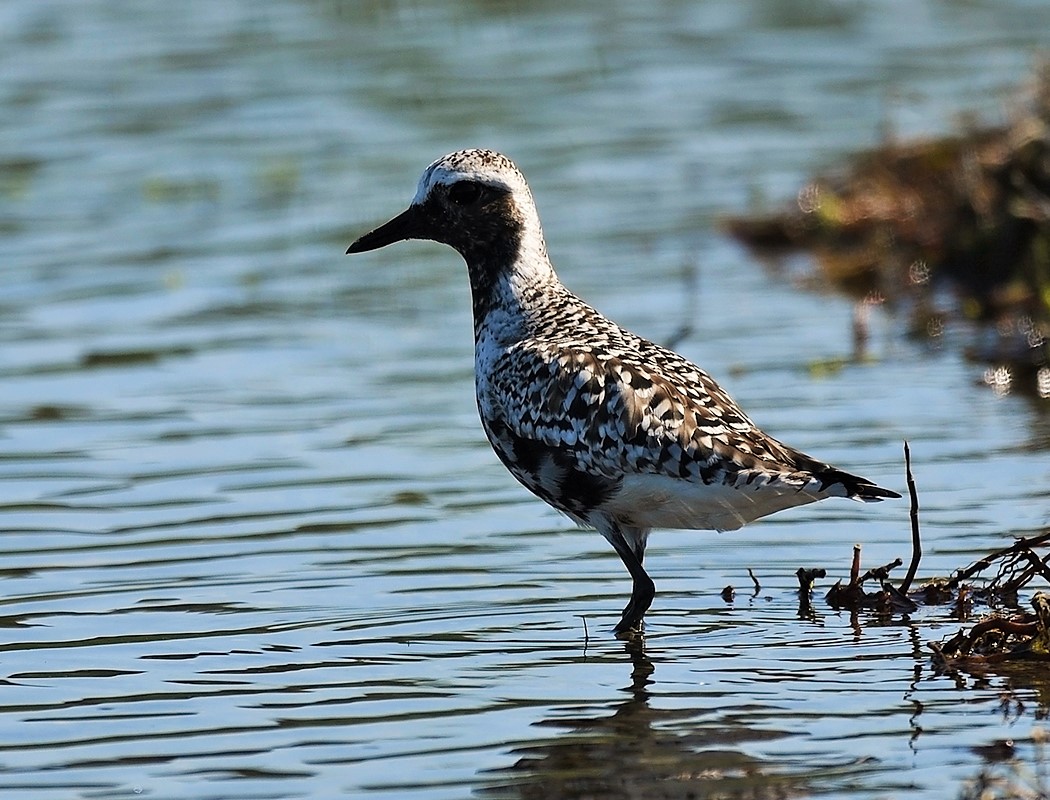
642	752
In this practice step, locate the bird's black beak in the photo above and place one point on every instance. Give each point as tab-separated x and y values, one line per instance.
406	225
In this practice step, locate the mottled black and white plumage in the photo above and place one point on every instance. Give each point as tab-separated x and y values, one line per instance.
617	432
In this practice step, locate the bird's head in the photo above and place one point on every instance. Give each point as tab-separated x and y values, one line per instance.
475	201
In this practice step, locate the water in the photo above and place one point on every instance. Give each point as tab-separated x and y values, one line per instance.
254	544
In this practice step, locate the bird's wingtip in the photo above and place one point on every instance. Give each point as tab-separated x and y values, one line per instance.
856	487
870	493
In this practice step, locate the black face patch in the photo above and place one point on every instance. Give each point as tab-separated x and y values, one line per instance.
483	224
478	220
465	193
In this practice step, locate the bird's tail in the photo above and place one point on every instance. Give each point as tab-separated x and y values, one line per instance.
854	486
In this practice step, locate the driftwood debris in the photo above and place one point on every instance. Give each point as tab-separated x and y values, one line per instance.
1005	633
996	638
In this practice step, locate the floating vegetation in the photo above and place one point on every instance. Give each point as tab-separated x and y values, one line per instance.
945	229
1006	633
1001	637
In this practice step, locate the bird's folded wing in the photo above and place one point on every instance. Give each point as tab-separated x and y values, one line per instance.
615	415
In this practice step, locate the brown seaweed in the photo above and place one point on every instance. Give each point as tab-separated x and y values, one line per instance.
954	228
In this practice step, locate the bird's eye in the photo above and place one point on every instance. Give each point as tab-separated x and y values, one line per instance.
464	193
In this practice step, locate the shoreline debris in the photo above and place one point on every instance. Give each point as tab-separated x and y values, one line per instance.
1005	633
948	229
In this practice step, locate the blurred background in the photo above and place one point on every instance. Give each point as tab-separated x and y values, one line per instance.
254	543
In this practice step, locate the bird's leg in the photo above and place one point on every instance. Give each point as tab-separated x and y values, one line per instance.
643	589
642	593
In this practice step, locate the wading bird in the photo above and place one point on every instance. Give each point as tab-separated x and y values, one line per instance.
617	432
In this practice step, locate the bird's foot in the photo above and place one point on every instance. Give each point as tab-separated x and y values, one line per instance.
631	633
630	625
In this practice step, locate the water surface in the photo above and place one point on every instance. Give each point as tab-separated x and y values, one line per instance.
254	543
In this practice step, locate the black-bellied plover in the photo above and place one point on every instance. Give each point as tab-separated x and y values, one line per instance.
617	432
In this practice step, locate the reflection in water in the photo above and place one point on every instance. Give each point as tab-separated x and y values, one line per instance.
1011	770
640	751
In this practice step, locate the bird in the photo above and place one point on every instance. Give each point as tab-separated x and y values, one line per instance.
617	432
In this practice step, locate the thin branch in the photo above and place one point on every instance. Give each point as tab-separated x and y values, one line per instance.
916	543
754	580
854	570
1018	546
881	573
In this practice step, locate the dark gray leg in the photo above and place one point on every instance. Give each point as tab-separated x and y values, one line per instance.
631	550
